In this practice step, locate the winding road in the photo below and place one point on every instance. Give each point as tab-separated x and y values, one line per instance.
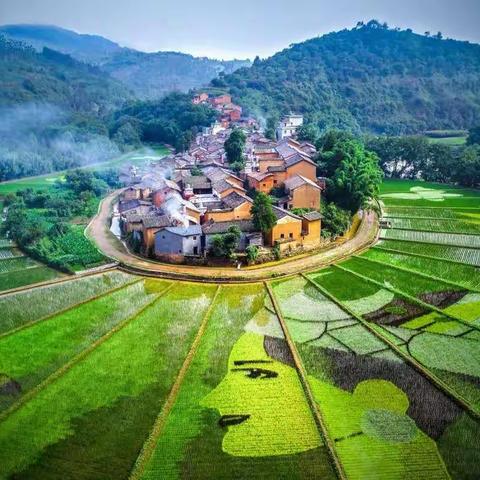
98	230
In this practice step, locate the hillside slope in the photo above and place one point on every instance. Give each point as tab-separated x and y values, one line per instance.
149	75
87	48
370	78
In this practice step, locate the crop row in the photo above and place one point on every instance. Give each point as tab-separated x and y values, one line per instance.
454	202
30	305
432	237
16	263
364	390
6	253
466	275
436	225
440	213
19	278
240	369
91	422
458	254
426	336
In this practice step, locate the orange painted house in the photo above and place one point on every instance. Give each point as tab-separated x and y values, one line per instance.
302	193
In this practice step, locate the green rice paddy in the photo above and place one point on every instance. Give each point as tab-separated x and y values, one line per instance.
365	369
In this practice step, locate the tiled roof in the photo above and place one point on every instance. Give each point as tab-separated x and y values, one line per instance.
276	168
131	204
185	231
222	227
157	221
234	199
197	182
259	176
281	213
312	216
297	181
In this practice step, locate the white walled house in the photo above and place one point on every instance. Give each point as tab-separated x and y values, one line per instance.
288	126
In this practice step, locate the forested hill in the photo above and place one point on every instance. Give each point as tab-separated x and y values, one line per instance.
87	48
370	78
149	75
53	78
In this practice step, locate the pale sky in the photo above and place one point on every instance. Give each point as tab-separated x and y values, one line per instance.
241	29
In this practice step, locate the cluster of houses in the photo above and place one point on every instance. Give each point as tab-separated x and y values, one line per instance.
173	209
228	111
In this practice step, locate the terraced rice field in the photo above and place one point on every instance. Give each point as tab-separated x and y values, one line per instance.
366	369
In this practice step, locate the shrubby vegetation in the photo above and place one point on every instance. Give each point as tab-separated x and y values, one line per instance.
40	222
235	149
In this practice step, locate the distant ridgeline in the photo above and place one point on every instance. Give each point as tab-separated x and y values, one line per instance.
148	75
368	79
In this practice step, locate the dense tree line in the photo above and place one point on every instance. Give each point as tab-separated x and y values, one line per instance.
173	120
369	79
416	157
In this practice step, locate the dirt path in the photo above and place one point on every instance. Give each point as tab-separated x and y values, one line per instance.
98	230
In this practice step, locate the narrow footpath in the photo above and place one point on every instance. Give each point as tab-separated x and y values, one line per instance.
99	231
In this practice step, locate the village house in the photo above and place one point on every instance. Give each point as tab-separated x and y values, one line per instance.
175	243
232	207
288	126
301	193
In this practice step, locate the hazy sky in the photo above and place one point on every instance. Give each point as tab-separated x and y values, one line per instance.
243	28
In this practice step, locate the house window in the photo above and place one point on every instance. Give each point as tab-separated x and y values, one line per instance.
194	238
264	184
179	251
282	235
163	236
274	181
290	235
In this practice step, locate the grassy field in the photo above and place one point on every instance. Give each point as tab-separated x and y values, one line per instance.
451	141
115	376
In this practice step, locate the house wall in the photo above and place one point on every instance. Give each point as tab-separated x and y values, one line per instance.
289	227
130	194
149	237
193	213
264	163
312	231
305	169
305	196
242	212
264	185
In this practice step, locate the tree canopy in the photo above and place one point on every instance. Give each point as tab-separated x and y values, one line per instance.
262	213
353	174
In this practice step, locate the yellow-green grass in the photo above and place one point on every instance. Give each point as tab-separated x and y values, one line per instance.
466	275
20	278
31	305
458	254
91	422
253	449
31	355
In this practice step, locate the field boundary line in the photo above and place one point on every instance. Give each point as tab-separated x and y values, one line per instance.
79	357
413	217
436	381
415	272
383	237
68	278
423	255
66	309
424	230
420	206
151	442
317	415
409	297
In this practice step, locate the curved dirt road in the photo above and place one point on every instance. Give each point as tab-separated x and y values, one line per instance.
98	230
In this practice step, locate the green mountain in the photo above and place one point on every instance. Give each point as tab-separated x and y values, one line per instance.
149	75
153	75
50	77
371	79
87	48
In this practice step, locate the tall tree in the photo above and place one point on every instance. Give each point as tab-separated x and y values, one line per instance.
473	136
235	146
262	213
353	174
